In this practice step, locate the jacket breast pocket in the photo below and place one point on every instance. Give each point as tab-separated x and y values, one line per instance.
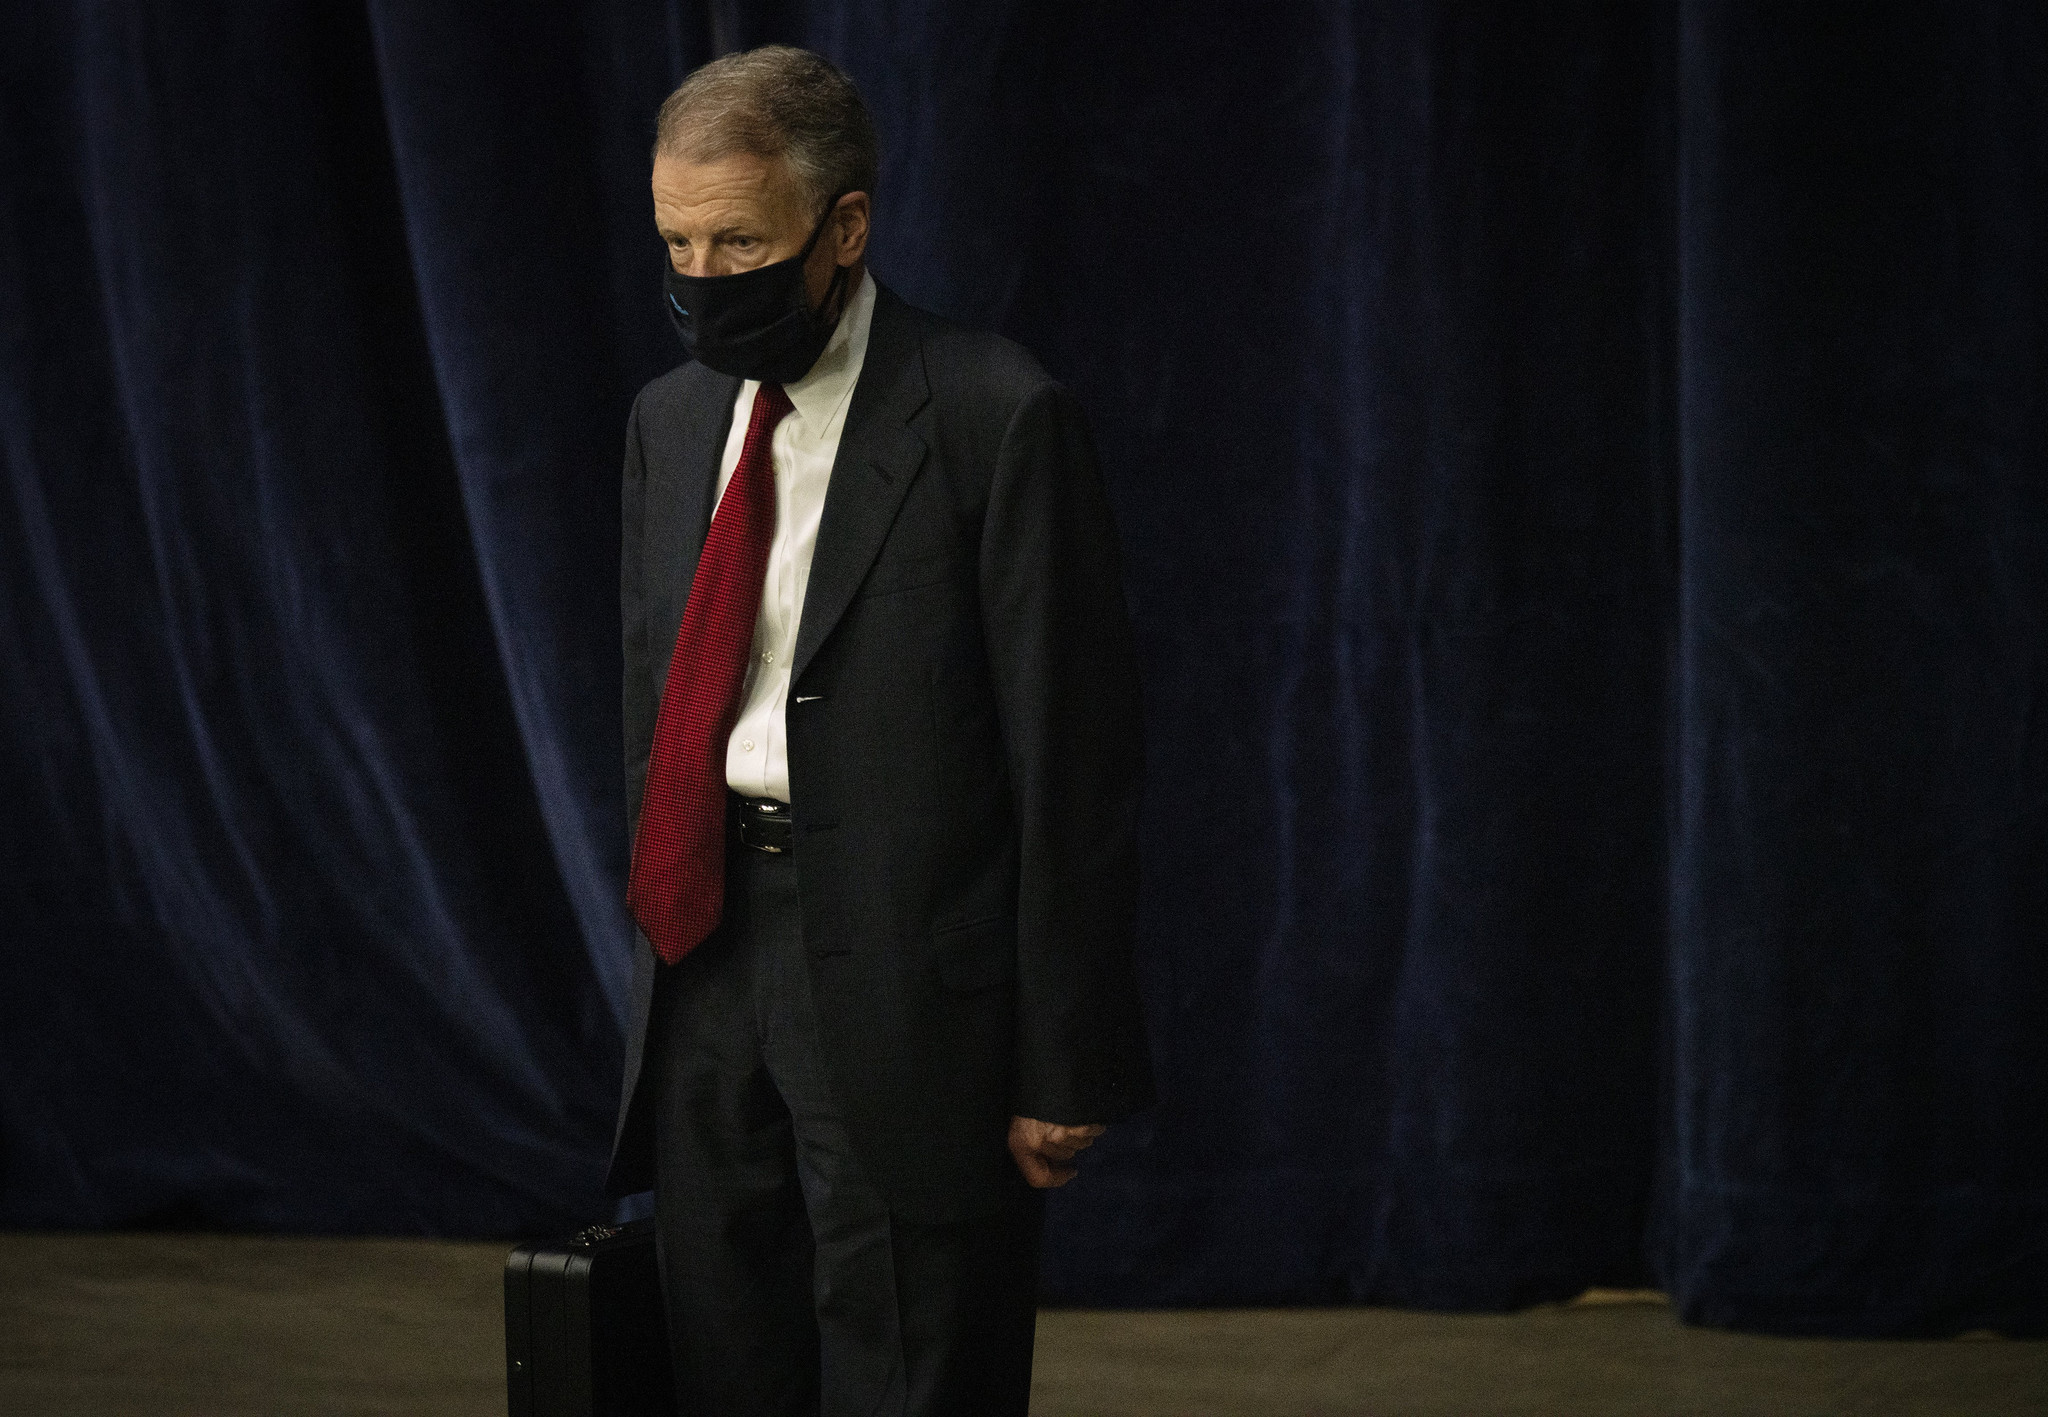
977	955
895	574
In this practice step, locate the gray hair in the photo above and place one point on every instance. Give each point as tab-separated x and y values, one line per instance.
775	101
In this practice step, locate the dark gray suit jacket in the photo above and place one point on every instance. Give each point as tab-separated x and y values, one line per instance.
964	761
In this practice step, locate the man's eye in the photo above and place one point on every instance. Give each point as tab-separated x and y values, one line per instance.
743	242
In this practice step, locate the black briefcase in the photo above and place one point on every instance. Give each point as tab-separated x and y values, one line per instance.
584	1335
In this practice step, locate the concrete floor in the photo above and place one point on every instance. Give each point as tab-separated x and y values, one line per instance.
167	1325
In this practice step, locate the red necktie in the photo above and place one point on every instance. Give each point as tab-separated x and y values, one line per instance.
676	889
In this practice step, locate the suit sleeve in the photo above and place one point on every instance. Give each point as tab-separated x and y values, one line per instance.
639	698
1063	662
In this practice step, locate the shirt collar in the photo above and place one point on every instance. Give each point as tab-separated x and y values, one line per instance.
819	396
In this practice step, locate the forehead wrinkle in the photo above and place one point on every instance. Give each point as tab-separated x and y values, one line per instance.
740	192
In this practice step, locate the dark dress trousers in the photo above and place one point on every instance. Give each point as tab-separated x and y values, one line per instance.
964	763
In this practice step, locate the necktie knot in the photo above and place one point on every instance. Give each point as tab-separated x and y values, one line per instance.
775	400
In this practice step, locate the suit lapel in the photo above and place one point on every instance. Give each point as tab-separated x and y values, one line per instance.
679	509
879	457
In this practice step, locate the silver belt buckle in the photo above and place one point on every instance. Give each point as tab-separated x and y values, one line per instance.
771	813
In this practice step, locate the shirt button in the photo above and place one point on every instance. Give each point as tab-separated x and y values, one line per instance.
746	745
769	657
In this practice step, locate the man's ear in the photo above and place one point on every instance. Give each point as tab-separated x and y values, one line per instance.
850	226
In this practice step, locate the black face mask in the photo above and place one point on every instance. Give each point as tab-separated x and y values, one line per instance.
755	324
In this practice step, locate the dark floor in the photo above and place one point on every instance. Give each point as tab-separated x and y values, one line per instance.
166	1325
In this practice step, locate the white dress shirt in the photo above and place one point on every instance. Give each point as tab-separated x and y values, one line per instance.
805	443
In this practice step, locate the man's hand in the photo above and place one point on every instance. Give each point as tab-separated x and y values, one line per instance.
1045	1152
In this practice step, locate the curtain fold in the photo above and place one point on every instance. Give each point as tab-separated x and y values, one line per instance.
1860	1112
1582	481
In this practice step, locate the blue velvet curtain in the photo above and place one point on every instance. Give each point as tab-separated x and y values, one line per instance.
1584	476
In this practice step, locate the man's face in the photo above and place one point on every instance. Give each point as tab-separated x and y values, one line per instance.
745	211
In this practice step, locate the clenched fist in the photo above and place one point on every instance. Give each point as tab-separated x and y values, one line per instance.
1045	1151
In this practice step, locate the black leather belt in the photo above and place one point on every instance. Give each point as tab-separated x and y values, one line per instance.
761	823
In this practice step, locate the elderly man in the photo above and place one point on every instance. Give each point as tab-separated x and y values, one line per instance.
882	760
